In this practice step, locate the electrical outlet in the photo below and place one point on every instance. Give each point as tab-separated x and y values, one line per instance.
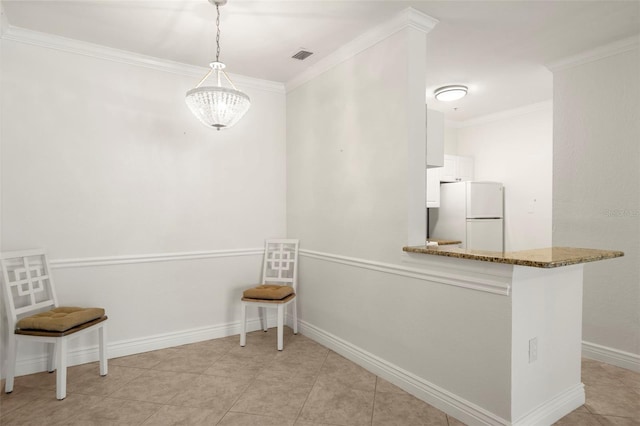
533	350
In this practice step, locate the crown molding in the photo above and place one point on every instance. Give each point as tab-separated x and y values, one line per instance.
502	115
413	18
601	52
408	18
50	41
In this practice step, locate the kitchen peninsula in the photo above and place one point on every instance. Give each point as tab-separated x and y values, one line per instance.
541	341
552	257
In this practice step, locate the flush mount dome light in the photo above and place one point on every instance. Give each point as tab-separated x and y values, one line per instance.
451	93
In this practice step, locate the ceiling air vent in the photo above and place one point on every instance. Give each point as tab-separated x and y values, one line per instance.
302	55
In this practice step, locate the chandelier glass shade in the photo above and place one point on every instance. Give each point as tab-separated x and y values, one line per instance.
217	106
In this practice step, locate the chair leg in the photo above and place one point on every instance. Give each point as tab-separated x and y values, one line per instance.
102	345
295	317
263	319
61	374
243	324
12	349
280	327
51	357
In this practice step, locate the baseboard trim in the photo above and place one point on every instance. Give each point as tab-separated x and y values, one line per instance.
88	354
554	409
611	356
420	388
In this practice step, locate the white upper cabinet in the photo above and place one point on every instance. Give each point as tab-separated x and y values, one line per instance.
465	169
435	138
449	171
433	187
457	169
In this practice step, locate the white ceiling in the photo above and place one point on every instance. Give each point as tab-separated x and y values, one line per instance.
497	48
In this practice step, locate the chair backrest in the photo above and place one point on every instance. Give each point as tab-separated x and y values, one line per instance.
26	283
280	262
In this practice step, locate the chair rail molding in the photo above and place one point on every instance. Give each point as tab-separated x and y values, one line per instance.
441	274
153	257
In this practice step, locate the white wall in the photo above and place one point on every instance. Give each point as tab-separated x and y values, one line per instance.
104	159
348	143
3	27
395	319
450	138
596	180
348	140
547	306
515	148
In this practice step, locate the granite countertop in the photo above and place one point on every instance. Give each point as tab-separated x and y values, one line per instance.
551	257
442	242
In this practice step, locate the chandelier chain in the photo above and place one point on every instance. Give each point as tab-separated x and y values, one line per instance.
218	34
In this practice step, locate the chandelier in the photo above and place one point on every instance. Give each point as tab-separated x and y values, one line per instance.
217	106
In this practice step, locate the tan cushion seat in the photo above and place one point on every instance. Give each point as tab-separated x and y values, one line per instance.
60	319
268	292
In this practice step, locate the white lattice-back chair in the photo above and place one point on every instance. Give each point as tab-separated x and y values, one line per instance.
278	288
33	314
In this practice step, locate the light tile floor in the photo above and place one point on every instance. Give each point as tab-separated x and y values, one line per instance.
219	383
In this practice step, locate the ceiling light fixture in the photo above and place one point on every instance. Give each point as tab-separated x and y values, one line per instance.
451	93
217	106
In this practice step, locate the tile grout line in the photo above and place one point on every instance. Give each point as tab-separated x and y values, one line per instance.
123	382
375	393
154	368
312	386
252	381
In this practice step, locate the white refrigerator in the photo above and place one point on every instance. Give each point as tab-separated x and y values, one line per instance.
472	212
